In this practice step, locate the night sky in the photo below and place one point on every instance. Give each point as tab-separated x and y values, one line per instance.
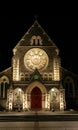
63	30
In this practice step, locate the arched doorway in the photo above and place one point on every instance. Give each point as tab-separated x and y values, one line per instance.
36	98
18	99
55	99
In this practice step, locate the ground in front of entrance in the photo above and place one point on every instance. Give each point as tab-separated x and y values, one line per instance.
38	120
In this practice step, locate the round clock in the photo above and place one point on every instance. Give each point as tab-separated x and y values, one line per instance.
36	58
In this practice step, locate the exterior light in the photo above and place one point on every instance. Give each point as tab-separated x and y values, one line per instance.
52	99
19	90
19	100
52	89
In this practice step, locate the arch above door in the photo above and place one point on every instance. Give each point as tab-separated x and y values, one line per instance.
37	89
34	84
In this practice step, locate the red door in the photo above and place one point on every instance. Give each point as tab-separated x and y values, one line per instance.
36	98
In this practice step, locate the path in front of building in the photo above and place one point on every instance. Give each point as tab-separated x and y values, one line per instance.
35	123
39	125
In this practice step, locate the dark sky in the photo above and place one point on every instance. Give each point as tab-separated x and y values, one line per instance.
63	30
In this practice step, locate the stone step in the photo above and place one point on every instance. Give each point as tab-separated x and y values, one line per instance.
41	118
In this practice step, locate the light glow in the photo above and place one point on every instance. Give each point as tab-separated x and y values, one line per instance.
62	99
16	69
56	69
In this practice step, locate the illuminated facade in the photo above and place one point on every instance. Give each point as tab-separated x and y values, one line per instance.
36	80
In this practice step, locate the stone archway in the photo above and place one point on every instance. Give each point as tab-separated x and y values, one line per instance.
41	92
55	99
36	98
18	99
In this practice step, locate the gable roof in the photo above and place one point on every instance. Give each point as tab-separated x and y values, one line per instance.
35	30
36	76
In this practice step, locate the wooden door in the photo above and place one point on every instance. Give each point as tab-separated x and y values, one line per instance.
36	98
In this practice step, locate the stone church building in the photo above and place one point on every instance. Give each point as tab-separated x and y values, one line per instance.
36	80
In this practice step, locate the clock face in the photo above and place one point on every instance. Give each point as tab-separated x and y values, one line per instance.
36	58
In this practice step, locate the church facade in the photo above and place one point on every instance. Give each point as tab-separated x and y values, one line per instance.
36	80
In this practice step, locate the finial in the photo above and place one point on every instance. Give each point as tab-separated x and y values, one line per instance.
36	16
14	50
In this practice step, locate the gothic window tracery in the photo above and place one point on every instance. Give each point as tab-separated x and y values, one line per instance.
4	84
36	58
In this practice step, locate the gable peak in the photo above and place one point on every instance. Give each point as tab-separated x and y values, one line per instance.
36	23
36	36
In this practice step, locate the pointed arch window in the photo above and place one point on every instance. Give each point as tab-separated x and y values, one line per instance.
22	76
45	76
27	76
4	85
36	40
69	87
50	76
